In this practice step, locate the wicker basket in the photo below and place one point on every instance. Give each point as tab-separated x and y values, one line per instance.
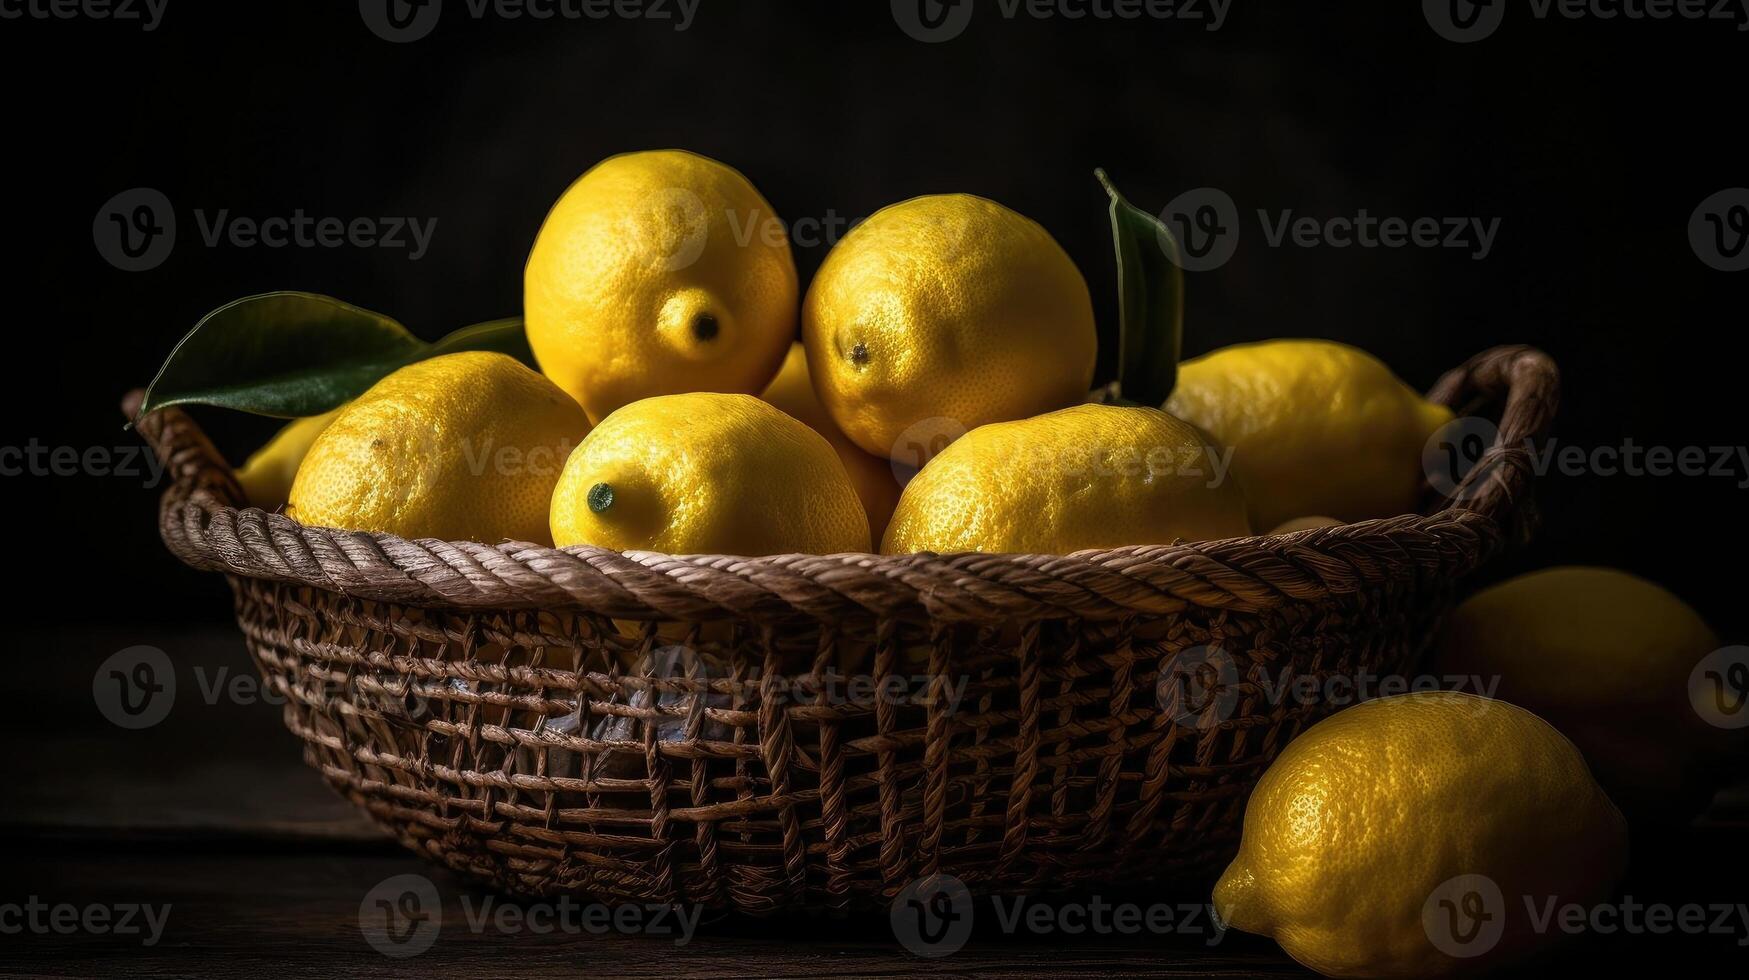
476	699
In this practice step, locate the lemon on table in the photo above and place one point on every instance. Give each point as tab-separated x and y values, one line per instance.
464	447
874	478
1092	476
946	312
659	272
707	473
1316	427
1403	837
266	476
1606	657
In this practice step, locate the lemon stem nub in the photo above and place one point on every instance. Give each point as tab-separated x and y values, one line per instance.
859	354
600	497
704	327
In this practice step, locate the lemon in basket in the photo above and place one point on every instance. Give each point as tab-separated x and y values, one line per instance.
659	272
873	476
947	312
1607	657
1316	427
707	473
1092	476
463	446
1404	837
266	476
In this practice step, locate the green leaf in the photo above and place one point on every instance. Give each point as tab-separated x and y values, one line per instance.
292	355
1150	293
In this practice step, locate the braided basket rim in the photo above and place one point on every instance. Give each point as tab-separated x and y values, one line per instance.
205	523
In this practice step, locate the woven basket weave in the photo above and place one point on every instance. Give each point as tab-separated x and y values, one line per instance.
660	728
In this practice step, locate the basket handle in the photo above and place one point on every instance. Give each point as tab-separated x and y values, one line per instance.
1526	385
199	474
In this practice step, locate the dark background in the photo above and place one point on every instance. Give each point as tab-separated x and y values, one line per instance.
1592	141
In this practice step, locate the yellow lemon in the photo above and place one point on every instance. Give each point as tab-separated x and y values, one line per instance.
655	273
267	474
873	476
706	473
1092	476
1316	427
463	446
1607	658
941	314
1409	836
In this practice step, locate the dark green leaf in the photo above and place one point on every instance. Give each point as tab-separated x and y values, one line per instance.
1150	288
291	355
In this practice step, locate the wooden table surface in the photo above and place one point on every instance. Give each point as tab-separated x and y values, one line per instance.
264	869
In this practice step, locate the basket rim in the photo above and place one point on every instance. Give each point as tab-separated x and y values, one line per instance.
204	523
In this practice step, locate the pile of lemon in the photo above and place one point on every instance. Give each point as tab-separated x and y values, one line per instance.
936	401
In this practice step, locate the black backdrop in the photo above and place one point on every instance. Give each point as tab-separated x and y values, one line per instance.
1592	141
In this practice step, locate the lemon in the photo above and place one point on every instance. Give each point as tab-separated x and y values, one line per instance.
874	478
655	273
1404	837
946	312
463	446
707	473
1316	427
1606	657
1092	476
267	474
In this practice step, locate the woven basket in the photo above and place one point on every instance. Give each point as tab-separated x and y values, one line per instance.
659	728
